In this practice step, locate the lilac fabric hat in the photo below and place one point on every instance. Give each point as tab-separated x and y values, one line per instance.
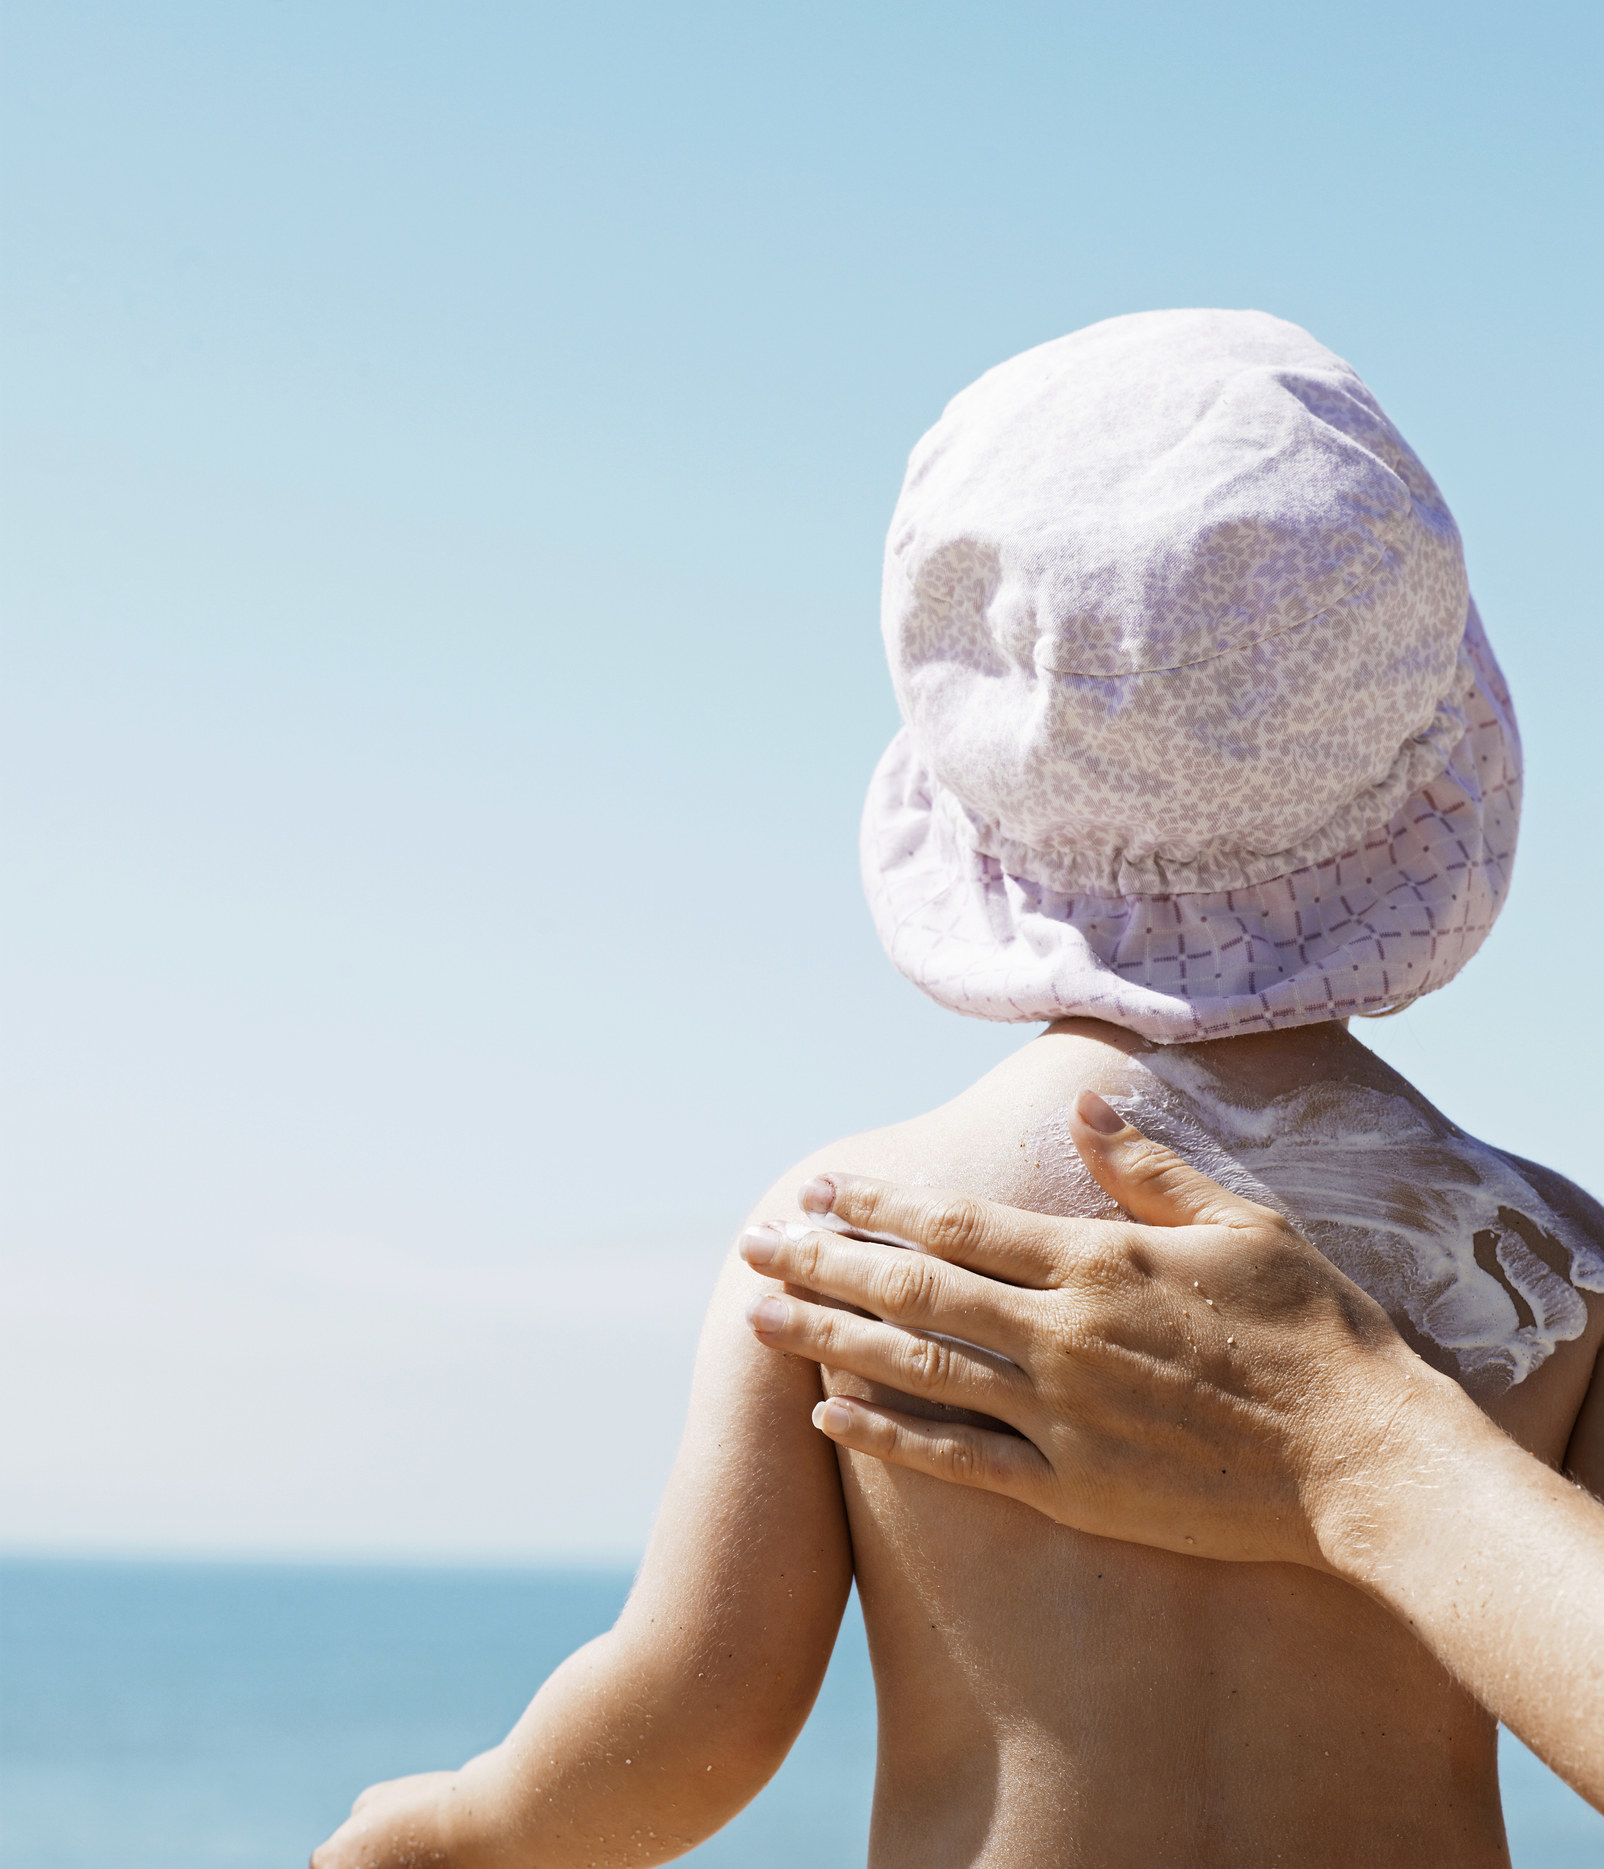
1202	732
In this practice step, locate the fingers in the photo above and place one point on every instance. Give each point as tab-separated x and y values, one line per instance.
1002	1242
980	1457
908	1288
1149	1181
958	1374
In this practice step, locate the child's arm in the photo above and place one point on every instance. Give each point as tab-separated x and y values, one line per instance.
657	1733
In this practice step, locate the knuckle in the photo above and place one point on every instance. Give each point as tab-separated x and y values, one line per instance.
1282	1231
929	1361
885	1437
1114	1265
819	1325
1139	1157
1137	1263
909	1285
1152	1164
951	1225
961	1461
808	1256
1170	1178
855	1201
1081	1329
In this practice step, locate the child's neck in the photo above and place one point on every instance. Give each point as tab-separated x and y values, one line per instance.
1266	1062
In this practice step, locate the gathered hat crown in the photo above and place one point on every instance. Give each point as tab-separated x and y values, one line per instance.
1170	604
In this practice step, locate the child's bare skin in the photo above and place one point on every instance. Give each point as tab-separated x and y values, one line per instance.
1046	1697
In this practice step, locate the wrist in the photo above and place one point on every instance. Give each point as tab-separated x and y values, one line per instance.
1382	1450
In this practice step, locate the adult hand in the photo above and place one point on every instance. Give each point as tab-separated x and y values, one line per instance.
1199	1378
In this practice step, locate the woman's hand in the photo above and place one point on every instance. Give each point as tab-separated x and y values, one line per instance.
1198	1378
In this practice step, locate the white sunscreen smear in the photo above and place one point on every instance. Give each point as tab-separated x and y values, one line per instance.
1437	1227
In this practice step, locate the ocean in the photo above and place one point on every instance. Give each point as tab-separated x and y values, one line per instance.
222	1716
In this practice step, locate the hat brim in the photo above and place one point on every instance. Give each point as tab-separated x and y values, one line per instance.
1394	917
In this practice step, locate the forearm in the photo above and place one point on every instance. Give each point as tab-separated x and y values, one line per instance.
623	1758
1494	1560
628	1755
653	1736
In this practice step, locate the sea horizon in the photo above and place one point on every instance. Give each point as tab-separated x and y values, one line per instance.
221	1712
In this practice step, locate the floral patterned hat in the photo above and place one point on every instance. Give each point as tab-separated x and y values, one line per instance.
1202	735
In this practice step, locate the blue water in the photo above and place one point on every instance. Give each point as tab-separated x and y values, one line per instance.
223	1716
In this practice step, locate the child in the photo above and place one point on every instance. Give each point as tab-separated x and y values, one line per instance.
1205	752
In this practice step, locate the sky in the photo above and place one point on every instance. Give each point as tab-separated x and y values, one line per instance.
447	452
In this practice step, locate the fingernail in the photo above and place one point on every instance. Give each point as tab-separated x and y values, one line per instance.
766	1313
818	1197
1098	1115
832	1415
760	1244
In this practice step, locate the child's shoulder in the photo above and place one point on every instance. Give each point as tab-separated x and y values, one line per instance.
1573	1203
1003	1137
901	1151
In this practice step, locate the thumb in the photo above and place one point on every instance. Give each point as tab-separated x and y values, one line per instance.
1149	1181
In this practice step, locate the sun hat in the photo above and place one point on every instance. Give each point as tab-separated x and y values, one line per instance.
1201	731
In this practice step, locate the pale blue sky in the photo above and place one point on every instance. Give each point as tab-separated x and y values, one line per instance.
447	456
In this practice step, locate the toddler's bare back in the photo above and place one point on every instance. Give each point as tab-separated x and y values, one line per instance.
1048	1697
